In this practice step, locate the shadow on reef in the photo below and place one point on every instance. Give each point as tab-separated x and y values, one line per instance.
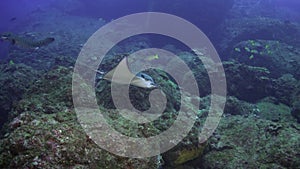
15	79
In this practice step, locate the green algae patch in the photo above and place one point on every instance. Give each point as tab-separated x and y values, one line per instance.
189	154
181	155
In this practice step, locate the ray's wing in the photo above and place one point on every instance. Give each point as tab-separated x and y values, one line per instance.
121	73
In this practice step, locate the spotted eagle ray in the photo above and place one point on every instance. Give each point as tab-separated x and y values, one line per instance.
121	74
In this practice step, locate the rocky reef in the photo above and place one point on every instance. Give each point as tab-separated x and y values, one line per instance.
43	130
15	79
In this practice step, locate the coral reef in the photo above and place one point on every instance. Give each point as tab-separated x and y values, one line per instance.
253	142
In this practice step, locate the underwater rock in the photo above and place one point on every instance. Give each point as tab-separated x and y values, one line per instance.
250	142
278	57
251	8
251	84
57	140
247	83
296	110
273	111
235	30
47	143
246	142
15	80
15	123
285	89
56	86
234	106
296	103
47	108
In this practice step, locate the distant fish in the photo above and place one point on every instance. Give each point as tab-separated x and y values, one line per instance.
25	43
152	57
13	19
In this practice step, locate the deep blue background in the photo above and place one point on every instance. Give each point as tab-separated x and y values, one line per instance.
196	11
206	14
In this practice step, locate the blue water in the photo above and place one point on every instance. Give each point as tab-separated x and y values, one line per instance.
16	15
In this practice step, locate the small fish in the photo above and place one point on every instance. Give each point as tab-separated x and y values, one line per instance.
152	57
251	57
11	62
198	52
